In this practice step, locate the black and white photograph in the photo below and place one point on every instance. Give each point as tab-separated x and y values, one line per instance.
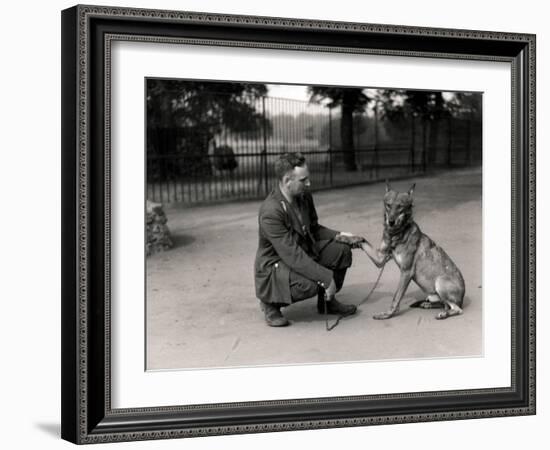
293	224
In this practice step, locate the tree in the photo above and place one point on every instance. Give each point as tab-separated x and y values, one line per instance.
350	100
184	116
429	106
466	106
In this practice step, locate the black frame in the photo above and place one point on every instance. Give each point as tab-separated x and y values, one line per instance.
87	416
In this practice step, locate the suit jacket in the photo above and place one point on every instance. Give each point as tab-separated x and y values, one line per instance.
288	243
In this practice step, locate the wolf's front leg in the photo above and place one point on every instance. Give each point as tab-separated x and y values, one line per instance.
377	256
404	281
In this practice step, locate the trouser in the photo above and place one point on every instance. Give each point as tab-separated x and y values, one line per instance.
333	255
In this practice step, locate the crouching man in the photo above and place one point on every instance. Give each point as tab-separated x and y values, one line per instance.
298	258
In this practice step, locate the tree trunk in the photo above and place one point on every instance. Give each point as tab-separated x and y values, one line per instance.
346	135
432	140
449	140
469	140
413	144
434	129
424	149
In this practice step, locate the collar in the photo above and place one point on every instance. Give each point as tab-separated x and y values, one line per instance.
290	210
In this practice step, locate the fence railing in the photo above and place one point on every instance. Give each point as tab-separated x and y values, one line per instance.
239	165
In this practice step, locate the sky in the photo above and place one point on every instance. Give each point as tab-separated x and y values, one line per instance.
298	92
295	92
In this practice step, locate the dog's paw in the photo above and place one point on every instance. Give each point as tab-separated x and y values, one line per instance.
383	315
449	313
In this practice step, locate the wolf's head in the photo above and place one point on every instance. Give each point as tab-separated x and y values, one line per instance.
398	208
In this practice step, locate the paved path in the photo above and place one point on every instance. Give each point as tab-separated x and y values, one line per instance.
202	312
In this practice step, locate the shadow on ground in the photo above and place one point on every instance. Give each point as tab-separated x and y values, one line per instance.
181	240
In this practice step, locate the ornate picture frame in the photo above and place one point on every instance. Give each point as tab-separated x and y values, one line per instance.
88	33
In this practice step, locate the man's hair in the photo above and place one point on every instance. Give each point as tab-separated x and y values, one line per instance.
287	162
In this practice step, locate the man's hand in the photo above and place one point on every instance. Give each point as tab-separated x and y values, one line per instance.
347	238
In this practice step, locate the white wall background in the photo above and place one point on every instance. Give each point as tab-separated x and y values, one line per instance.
30	223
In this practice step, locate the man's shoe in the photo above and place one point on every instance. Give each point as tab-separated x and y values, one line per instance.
273	315
334	307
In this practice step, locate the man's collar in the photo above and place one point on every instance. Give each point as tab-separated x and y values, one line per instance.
279	194
276	192
288	200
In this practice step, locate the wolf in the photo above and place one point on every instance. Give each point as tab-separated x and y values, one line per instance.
418	257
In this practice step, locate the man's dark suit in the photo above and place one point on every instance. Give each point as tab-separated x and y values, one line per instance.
295	253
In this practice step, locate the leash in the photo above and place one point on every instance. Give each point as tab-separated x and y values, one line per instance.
341	316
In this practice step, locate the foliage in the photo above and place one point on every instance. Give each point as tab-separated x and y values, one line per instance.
399	104
350	100
183	117
465	104
211	106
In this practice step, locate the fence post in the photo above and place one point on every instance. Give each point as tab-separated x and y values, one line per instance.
330	142
413	142
266	180
450	141
356	125
375	162
424	126
469	140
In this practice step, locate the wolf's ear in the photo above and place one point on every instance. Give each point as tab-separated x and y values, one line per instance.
388	187
411	190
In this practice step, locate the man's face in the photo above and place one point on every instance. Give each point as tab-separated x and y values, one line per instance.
297	181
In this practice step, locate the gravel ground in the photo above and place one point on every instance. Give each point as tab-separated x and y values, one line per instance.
202	311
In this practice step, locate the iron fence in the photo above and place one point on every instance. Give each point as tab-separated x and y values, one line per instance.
195	165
